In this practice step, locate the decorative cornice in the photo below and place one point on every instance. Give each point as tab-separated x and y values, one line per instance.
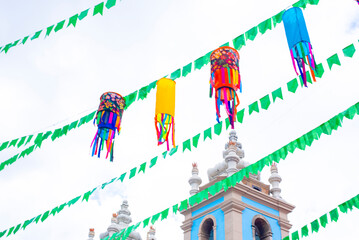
232	205
187	225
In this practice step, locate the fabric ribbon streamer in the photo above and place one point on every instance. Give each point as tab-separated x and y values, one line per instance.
108	120
226	80
165	111
299	42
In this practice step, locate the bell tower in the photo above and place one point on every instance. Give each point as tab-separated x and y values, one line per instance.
251	210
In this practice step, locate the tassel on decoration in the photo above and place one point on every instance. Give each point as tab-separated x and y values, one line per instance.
299	43
108	120
226	80
165	111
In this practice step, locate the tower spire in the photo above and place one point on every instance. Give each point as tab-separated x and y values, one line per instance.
91	234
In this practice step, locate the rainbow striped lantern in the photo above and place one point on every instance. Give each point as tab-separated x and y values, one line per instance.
165	111
226	80
299	42
108	120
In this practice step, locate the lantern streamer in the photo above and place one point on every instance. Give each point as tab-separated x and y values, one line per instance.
108	120
299	42
226	80
165	111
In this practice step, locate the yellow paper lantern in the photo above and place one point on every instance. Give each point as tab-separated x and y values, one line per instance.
165	110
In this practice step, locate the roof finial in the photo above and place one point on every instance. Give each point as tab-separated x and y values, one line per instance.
274	180
195	180
151	233
91	233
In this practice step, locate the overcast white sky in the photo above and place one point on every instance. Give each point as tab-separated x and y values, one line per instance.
48	83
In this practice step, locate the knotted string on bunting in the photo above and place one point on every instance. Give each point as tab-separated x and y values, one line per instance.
226	79
165	111
299	42
108	120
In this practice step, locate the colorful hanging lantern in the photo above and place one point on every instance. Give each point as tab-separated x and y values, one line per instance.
226	80
165	110
108	120
299	42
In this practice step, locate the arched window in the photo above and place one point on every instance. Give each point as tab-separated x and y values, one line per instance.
207	229
261	228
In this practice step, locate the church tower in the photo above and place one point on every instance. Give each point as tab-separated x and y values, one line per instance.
251	210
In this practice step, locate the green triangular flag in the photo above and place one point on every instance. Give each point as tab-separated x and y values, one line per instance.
207	133
155	218
10	231
195	140
313	2
59	26
87	195
122	177
333	60
292	85
129	99
98	9
239	42
4	145
265	25
164	154
315	225
349	50
24	39
186	145
110	3
153	162
277	94
13	142
45	216
265	102
295	235
73	201
186	69
83	14
277	18
36	35
334	215
176	74
217	129
2	233
146	221
199	63
252	33
253	107
73	20
17	228
240	116
142	168
184	205
26	223
133	172
21	142
175	208
319	70
173	150
227	123
305	231
142	93
73	125
48	30
323	220
164	214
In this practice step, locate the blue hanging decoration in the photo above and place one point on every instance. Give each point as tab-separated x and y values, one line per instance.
299	42
108	120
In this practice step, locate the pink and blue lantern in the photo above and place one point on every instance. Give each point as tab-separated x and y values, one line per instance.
299	42
108	119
